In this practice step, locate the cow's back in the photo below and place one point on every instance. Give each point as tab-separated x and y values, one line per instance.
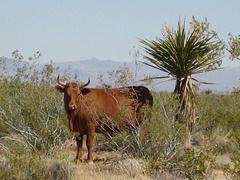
118	107
141	94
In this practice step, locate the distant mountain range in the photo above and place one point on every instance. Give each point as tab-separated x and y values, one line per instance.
93	67
225	78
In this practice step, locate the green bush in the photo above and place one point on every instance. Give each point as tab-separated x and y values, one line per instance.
32	119
22	165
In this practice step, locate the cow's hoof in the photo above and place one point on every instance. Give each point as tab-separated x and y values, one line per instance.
78	161
90	162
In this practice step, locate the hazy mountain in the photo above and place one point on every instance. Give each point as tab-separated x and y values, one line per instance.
93	67
225	78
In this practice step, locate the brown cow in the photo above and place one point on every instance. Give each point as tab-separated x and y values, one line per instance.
101	110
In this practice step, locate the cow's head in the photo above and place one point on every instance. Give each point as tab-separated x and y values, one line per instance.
71	91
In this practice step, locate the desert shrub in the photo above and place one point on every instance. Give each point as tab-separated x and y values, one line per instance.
216	132
218	118
186	163
22	165
59	171
32	119
218	111
232	171
31	111
165	144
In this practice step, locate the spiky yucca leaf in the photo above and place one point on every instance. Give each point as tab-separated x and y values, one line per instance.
181	53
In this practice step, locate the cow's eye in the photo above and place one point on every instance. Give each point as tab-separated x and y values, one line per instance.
67	97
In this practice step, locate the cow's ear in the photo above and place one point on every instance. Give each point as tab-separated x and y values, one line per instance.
85	91
60	89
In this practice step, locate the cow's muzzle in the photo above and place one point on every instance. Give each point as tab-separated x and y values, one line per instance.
72	107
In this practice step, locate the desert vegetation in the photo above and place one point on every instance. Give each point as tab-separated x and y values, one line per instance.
35	142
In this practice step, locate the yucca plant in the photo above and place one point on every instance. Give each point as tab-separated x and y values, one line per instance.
181	54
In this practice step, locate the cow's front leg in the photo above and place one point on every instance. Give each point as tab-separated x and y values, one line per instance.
89	142
79	140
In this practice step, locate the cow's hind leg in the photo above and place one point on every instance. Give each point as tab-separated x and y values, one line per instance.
79	140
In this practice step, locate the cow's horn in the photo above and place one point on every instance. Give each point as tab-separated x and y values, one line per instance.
60	82
82	86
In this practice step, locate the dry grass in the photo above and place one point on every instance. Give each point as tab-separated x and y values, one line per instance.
96	172
219	175
223	160
107	165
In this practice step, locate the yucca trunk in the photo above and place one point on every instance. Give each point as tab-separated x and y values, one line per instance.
186	106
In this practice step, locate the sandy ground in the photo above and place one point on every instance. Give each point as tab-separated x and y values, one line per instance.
115	166
107	165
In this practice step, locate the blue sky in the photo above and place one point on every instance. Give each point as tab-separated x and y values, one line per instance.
71	30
